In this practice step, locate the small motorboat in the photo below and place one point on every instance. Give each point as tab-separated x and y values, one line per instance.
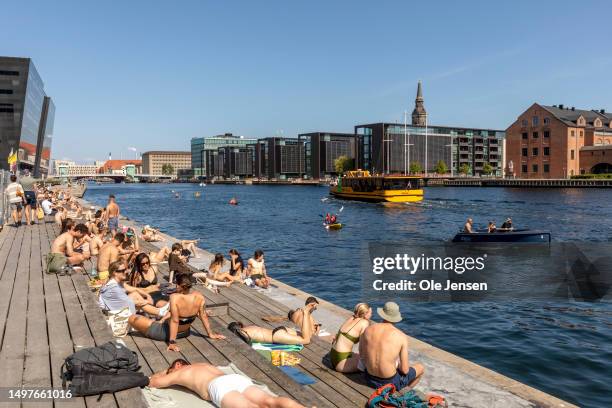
334	226
517	235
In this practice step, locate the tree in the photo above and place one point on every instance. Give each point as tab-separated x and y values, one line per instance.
465	169
487	169
441	168
415	168
167	169
344	163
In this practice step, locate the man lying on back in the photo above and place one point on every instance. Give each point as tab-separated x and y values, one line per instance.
212	384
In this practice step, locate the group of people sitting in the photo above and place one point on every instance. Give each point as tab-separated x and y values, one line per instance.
166	312
468	227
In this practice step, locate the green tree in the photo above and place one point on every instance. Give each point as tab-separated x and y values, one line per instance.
167	169
441	168
487	169
465	169
415	168
343	163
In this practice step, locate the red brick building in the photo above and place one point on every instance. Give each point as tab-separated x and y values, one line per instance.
548	142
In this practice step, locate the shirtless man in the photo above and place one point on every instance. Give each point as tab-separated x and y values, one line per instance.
112	214
97	239
384	351
62	251
468	226
297	315
212	384
108	254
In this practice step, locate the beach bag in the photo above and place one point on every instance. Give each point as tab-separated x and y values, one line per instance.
110	367
40	214
118	322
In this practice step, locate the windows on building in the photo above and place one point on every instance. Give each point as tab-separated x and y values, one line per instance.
525	136
524	152
535	121
572	154
546	151
546	168
534	168
546	134
535	151
572	133
535	135
525	122
524	168
6	91
546	121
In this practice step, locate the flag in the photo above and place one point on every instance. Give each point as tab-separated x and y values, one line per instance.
12	158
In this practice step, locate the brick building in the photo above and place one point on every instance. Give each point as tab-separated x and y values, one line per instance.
554	141
153	162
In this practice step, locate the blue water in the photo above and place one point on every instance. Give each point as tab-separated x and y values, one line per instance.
561	348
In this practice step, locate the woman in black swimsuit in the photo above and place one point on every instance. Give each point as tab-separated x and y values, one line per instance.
185	307
144	276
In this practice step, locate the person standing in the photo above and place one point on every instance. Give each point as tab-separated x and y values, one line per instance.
27	182
15	197
112	214
384	351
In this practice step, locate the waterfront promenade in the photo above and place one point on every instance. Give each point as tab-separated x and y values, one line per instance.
44	318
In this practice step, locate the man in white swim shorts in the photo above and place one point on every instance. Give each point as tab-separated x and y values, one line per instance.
212	384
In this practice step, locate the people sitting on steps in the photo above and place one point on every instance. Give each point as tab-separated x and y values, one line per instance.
144	276
115	295
341	355
223	390
215	271
296	316
384	350
237	265
257	270
63	252
185	306
278	335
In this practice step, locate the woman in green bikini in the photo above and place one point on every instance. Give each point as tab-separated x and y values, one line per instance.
341	355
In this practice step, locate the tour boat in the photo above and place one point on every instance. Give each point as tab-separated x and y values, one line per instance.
360	185
520	235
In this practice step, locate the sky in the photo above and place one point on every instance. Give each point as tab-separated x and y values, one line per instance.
132	76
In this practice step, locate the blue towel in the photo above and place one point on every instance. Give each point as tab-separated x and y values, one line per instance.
298	376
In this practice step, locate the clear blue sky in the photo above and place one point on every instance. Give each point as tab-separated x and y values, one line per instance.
153	74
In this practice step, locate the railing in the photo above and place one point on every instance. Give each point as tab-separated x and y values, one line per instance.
5	179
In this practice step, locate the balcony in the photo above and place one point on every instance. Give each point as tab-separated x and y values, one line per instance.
478	142
493	141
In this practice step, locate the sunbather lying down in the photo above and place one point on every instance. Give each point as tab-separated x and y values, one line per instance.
279	335
224	390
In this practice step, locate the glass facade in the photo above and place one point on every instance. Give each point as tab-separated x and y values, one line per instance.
26	119
199	145
321	149
392	148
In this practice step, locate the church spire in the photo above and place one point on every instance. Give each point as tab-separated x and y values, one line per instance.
419	115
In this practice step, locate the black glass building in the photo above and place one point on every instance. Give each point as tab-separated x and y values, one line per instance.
321	149
26	116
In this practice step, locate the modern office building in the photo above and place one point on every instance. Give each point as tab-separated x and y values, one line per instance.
230	162
279	158
391	148
559	142
321	149
153	162
199	146
26	116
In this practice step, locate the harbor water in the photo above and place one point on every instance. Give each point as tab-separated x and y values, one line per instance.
562	348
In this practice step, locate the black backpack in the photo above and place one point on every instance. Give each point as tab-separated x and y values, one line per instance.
110	367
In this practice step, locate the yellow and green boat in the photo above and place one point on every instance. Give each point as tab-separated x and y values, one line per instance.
360	185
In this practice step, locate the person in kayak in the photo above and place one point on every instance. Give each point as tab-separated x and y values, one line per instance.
327	219
333	219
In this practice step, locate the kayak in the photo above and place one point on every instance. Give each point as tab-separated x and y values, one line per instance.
335	226
524	235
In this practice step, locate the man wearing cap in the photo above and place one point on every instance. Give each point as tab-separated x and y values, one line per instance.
296	316
384	351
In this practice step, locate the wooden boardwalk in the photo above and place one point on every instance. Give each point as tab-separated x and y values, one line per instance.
46	317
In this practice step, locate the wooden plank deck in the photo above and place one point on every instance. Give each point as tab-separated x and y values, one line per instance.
46	317
249	306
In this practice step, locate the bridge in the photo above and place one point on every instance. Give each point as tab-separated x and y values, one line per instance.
118	178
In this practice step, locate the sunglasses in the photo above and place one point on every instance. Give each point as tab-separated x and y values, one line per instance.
121	270
145	263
